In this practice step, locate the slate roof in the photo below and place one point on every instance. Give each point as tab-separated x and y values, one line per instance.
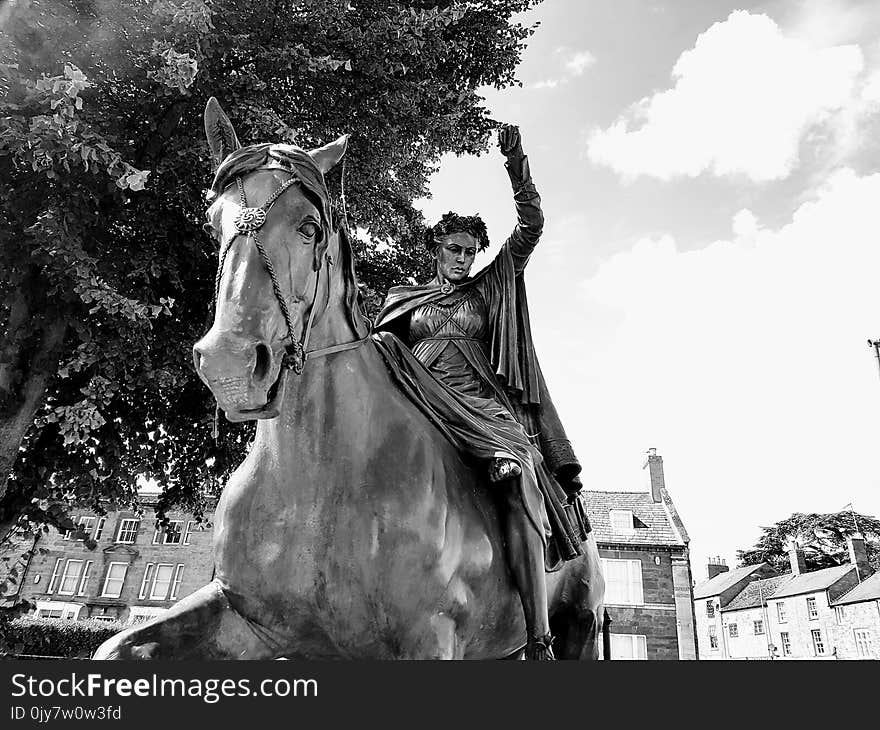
659	528
816	580
867	590
723	581
751	595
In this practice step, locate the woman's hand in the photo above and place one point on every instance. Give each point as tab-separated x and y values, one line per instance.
509	141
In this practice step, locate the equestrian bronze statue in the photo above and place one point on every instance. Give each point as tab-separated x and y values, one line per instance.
360	524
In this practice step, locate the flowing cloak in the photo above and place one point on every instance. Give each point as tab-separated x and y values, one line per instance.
479	427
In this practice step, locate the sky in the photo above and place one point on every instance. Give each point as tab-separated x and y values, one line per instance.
709	273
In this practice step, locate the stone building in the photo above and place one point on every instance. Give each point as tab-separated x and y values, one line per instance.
644	549
136	571
754	613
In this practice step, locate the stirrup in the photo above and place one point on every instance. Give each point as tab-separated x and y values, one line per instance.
502	468
539	648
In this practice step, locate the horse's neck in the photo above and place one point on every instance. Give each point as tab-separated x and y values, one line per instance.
330	402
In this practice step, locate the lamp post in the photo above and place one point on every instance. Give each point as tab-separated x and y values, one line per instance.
876	345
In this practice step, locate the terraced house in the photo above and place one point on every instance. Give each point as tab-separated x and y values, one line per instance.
136	572
754	613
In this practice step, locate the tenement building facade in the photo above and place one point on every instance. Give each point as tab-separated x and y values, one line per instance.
645	559
754	613
137	570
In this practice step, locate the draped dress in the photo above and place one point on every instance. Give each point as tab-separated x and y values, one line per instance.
476	343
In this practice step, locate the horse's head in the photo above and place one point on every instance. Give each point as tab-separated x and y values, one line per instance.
271	216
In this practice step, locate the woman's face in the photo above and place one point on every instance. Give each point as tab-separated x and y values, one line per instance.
455	255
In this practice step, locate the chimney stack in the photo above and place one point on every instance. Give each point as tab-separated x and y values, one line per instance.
716	566
655	469
796	558
858	554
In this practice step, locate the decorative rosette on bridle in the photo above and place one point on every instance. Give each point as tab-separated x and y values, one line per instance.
250	219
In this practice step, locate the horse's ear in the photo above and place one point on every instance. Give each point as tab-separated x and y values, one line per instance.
220	133
328	156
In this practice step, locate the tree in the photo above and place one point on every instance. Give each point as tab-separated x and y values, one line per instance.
822	537
105	274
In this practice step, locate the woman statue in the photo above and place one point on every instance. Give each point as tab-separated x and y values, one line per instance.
473	335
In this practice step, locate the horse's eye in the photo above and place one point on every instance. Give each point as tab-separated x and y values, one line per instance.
309	229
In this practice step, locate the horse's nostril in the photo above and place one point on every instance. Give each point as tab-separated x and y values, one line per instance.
264	360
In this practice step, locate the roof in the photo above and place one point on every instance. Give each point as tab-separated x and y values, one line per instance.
723	581
659	527
751	596
867	590
816	580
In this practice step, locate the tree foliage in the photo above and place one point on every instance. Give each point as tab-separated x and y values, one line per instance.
822	537
105	273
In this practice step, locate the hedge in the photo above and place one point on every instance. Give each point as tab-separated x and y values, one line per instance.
55	637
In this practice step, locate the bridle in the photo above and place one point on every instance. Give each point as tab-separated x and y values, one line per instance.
248	223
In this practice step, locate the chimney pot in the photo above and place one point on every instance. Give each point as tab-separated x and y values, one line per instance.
796	558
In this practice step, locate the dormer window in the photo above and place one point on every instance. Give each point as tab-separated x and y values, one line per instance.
621	520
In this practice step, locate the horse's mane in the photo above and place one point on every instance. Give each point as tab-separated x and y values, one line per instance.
298	162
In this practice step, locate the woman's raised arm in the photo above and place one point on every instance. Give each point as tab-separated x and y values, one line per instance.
529	218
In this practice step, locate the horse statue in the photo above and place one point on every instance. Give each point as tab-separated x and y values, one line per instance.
352	529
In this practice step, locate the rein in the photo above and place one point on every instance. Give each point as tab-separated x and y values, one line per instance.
248	223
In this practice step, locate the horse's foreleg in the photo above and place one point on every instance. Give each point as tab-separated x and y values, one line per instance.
201	626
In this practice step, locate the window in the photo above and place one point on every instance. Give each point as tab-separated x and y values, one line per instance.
58	610
49	612
84	581
623	582
145	583
128	530
812	611
621	520
86	524
178	579
780	611
839	614
629	646
864	643
99	530
172	536
189	528
733	630
103	617
161	582
70	579
710	608
818	645
786	643
55	572
713	638
115	579
759	627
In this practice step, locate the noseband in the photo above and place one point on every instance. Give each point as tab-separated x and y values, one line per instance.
248	223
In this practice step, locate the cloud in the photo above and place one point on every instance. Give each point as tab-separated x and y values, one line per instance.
745	362
548	84
743	99
579	62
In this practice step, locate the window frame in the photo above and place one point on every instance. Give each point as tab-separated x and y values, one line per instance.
638	644
710	608
785	642
189	530
628	516
818	642
76	577
110	565
865	643
149	569
633	568
176	581
122	529
99	528
758	623
781	613
812	608
164	597
733	630
713	638
56	572
166	532
84	578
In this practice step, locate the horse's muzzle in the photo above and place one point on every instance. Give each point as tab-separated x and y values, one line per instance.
244	375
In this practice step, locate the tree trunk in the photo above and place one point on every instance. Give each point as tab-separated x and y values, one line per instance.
22	406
